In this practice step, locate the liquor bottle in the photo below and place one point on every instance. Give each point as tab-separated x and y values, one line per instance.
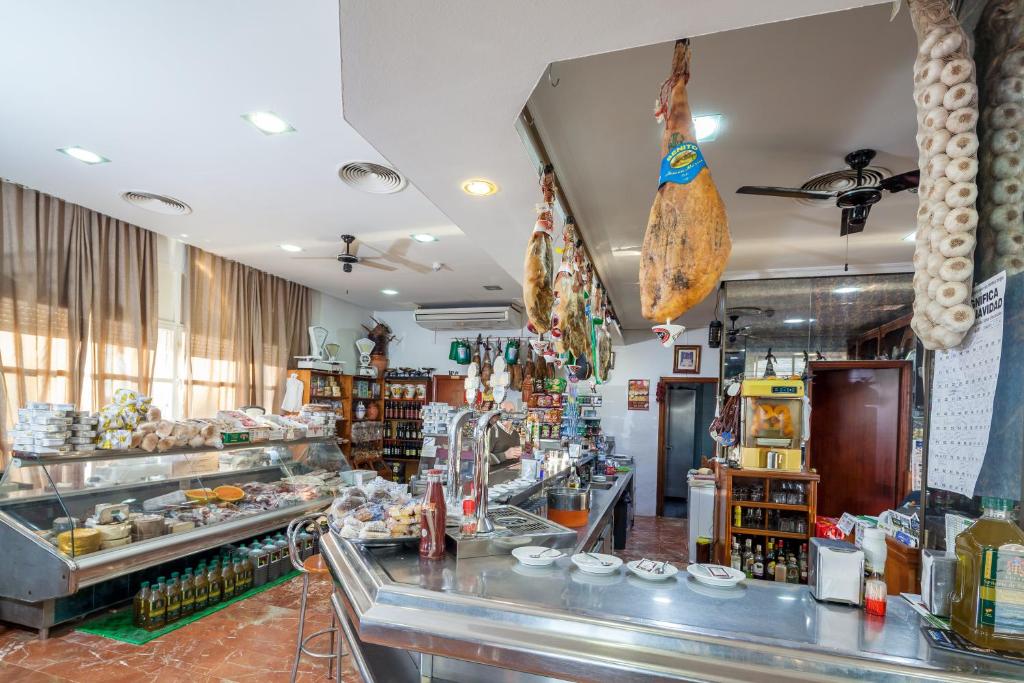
758	563
574	481
769	561
792	570
139	604
802	561
748	559
735	559
780	563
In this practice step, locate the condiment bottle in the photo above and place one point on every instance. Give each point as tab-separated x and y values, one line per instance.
201	585
433	515
139	605
173	598
188	594
215	594
227	580
874	594
156	610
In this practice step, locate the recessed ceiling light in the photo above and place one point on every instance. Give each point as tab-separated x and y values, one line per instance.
268	122
479	187
389	292
184	234
846	290
291	247
793	321
84	155
424	237
707	127
626	251
910	237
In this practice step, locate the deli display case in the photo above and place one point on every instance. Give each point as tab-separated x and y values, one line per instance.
74	528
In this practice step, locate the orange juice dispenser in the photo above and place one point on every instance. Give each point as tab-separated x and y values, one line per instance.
772	424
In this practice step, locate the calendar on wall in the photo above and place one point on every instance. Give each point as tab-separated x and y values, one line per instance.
963	392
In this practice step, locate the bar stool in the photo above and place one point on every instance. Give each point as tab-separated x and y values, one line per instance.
312	566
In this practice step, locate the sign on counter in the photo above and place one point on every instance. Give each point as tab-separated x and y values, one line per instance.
963	389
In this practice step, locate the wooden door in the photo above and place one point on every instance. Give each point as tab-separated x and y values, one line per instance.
859	434
450	389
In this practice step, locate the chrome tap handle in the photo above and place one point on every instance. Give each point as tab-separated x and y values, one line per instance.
453	487
481	469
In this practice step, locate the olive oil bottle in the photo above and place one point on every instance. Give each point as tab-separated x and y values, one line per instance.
156	608
173	589
188	594
227	580
214	581
988	602
139	605
201	585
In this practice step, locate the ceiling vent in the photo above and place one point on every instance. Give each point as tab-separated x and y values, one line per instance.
157	203
370	177
840	181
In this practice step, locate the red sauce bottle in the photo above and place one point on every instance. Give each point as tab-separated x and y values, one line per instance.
433	516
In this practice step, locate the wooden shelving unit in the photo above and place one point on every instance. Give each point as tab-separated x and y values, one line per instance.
314	390
727	481
407	466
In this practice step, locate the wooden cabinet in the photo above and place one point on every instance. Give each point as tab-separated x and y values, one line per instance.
450	389
893	340
859	442
333	389
764	490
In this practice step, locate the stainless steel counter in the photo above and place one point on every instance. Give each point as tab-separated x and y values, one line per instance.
559	622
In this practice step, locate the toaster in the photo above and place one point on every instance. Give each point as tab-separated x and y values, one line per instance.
835	571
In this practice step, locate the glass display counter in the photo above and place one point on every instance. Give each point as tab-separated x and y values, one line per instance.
69	522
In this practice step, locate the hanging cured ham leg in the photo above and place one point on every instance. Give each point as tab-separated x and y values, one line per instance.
687	241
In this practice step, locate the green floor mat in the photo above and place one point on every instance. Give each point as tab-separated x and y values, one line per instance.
117	625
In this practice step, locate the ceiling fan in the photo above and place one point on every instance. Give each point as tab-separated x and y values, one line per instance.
395	254
856	201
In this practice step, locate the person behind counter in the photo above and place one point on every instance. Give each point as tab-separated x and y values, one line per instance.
506	441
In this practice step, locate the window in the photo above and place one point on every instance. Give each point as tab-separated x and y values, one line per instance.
168	371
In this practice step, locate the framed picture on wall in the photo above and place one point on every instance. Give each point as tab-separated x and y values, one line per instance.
686	360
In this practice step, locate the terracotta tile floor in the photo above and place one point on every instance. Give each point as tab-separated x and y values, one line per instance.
659	538
250	641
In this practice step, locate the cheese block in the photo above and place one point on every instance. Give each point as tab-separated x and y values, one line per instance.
115	531
116	542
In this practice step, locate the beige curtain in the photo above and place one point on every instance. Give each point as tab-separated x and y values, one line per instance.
243	328
78	298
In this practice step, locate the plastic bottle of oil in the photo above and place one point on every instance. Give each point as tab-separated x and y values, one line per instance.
214	584
988	603
139	604
201	585
156	610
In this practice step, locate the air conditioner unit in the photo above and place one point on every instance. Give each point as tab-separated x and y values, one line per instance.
503	317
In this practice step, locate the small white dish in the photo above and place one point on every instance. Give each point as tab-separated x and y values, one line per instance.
603	580
546	556
596	563
668	571
712	574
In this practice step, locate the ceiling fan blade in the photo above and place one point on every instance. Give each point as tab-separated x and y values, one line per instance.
903	181
371	263
792	192
396	254
315	258
854	219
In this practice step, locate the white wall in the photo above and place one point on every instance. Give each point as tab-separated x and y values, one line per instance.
636	431
342	321
416	347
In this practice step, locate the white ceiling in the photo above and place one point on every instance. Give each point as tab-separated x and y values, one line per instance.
437	88
159	87
796	96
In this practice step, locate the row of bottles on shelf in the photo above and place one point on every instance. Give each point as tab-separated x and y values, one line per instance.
785	563
755	518
235	571
405	431
402	410
402	449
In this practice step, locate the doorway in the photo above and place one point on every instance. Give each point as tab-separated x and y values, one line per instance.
684	416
